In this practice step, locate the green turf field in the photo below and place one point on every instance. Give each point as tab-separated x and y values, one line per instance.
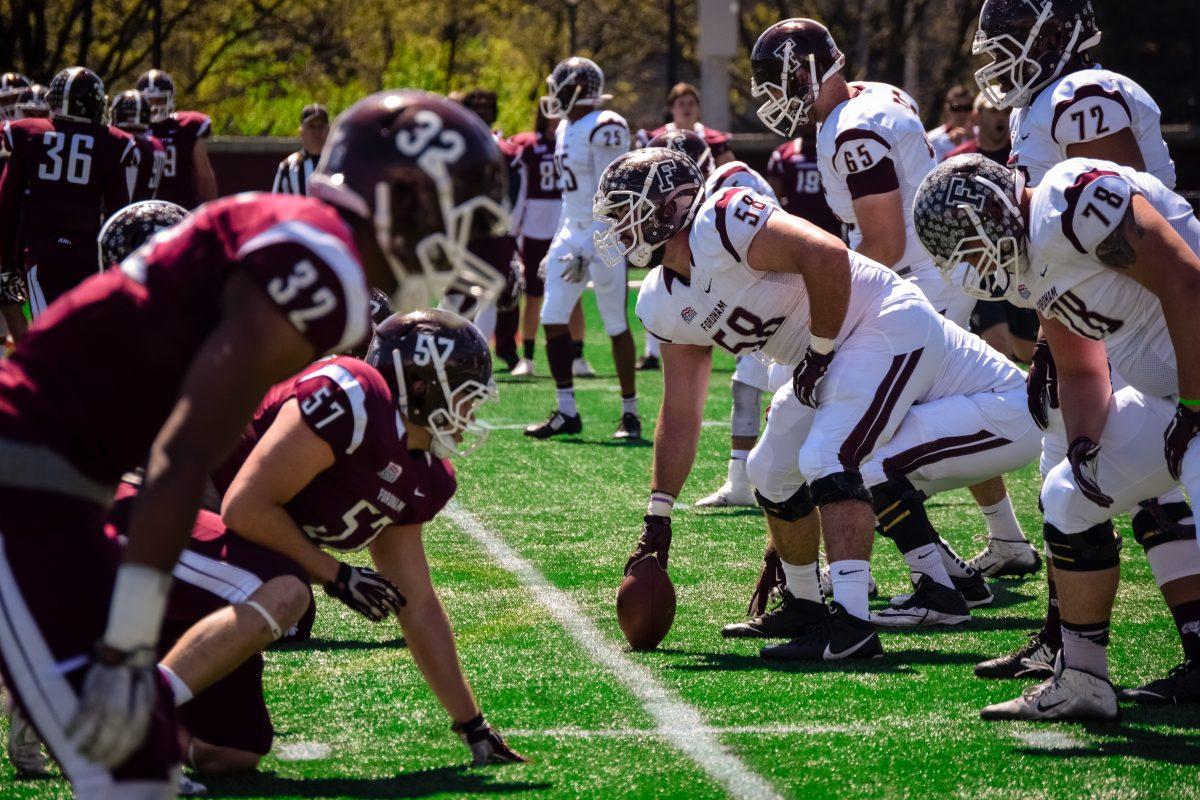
354	719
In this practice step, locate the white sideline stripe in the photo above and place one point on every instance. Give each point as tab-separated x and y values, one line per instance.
756	730
677	721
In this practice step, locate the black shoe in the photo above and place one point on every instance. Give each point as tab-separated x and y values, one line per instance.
647	364
630	427
559	424
510	360
1034	659
790	618
841	635
929	604
974	589
1182	685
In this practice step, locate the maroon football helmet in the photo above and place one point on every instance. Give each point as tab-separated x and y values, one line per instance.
689	143
33	103
130	112
11	86
789	62
428	173
158	90
76	93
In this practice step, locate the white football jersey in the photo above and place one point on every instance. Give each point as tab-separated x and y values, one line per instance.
1085	105
581	152
738	173
743	310
1075	208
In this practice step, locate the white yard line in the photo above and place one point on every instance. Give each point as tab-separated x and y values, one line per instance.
520	426
678	722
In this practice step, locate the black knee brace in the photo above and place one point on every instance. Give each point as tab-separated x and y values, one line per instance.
796	507
1097	548
840	486
1156	523
900	514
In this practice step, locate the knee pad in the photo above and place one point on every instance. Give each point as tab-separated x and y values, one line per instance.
746	410
795	508
1097	548
839	486
900	514
1158	523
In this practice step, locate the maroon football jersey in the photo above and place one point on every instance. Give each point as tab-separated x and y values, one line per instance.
61	179
794	163
179	134
152	157
376	481
100	370
534	159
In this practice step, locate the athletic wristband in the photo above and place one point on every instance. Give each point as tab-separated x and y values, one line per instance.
1190	403
136	611
821	345
660	504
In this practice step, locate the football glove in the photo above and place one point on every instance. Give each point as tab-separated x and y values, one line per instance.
1082	455
487	746
656	541
769	580
1041	385
514	284
1178	436
12	289
575	267
115	706
808	375
365	591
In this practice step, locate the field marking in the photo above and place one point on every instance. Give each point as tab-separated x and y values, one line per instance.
677	721
756	730
1048	740
302	751
520	426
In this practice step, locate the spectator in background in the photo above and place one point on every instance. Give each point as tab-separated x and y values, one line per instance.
957	129
796	180
991	133
293	172
683	113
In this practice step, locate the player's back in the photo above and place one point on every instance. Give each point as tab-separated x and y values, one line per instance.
179	133
583	149
539	201
152	157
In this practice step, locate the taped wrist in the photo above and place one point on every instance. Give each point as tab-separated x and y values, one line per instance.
900	515
136	611
660	504
838	487
795	508
1097	548
1158	523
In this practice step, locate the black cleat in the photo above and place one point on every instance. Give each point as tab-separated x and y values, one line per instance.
630	427
647	364
974	589
1034	659
1182	685
929	604
559	424
510	360
839	636
790	618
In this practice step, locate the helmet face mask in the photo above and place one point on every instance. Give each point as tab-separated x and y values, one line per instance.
574	82
789	63
158	90
130	111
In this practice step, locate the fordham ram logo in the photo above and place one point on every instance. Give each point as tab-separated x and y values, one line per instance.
688	314
961	192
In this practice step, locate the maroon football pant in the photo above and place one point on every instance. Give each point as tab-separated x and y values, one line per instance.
56	266
532	253
57	569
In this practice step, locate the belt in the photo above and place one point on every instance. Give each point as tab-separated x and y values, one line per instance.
36	467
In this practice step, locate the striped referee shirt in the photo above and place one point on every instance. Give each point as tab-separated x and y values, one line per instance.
293	172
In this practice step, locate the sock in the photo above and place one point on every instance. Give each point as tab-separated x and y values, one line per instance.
851	580
566	402
803	581
179	689
1187	620
529	347
1002	522
578	348
739	455
652	348
507	324
737	471
952	561
924	560
1085	647
1052	632
629	405
558	353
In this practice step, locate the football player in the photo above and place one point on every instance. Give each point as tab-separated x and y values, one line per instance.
130	112
170	327
1108	257
866	346
12	84
793	173
872	154
187	178
64	176
32	102
589	137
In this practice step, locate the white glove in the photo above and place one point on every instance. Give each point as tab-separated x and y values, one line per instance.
115	705
575	267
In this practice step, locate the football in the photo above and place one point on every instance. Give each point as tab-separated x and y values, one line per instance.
646	605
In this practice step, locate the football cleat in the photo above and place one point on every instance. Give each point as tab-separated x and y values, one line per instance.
580	368
790	618
1003	558
973	588
930	604
730	494
630	427
510	361
840	636
559	424
524	369
1068	694
648	363
1182	685
190	787
827	585
25	746
1034	659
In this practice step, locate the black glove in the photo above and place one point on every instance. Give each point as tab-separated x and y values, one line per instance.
771	579
1082	455
1179	435
12	289
1041	386
656	541
366	591
487	746
808	374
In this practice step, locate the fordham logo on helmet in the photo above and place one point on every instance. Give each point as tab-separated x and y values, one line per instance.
158	90
789	63
132	227
577	81
689	143
76	94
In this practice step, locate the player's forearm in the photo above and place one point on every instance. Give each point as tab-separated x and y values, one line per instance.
206	185
430	639
268	524
1180	312
829	294
1083	397
882	249
675	439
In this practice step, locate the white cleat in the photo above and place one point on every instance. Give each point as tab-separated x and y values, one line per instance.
25	747
1007	559
523	369
190	787
730	494
1071	694
580	368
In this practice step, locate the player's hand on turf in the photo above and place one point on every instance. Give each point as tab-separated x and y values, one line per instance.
809	374
656	541
575	267
1041	385
115	706
365	591
487	746
1082	455
1179	435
